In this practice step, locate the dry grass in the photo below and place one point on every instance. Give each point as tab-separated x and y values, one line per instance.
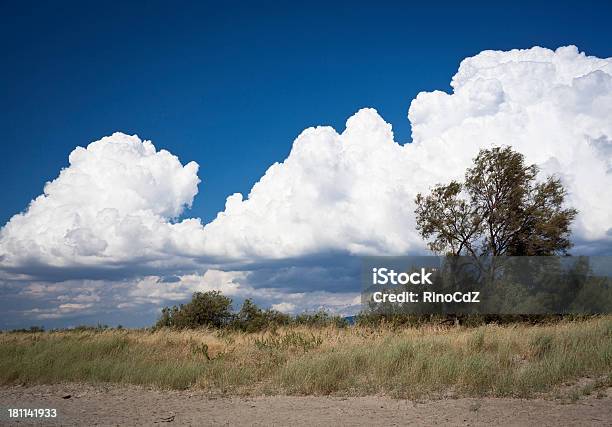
515	360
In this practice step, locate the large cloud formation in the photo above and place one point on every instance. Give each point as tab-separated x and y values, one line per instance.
117	204
553	106
114	203
354	191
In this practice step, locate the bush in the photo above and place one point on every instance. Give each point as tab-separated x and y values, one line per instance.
251	318
30	330
320	318
205	309
212	309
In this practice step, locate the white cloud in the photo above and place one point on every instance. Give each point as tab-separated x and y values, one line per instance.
239	285
62	311
284	307
155	289
346	192
114	203
335	192
354	191
553	106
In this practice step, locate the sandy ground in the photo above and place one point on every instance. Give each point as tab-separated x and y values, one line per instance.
86	405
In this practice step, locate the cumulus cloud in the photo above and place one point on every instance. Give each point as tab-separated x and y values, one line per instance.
552	106
335	192
114	203
354	191
118	203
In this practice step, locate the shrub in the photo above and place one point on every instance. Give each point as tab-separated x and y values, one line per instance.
212	309
251	318
320	318
31	329
205	309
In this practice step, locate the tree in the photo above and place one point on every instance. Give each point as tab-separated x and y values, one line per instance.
212	309
205	309
250	318
500	209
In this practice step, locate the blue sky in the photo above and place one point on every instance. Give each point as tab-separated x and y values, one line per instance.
230	87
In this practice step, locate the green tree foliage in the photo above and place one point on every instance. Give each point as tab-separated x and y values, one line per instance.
31	329
499	209
205	309
212	309
251	318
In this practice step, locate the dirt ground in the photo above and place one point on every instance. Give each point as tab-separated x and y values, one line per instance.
86	405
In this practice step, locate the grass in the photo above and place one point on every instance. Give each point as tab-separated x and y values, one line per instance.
514	360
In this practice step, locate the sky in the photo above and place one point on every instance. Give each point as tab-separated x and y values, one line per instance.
230	88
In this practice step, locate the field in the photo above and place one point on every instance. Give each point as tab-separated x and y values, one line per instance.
515	360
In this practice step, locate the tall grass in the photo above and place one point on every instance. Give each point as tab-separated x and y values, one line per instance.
512	360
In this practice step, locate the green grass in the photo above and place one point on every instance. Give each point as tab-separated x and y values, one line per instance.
514	360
